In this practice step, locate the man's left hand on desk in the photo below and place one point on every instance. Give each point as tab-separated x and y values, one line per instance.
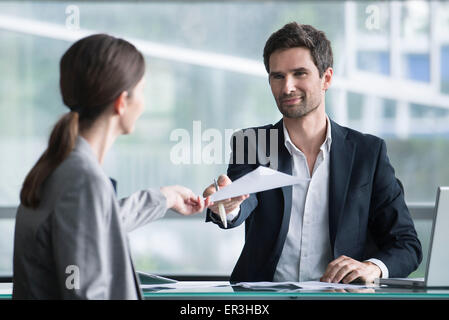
347	270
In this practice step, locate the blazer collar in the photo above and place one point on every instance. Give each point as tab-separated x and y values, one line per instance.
284	157
341	162
83	147
284	164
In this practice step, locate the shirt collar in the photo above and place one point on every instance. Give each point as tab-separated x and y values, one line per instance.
326	146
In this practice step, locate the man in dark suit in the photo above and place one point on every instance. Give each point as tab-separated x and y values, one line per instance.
348	219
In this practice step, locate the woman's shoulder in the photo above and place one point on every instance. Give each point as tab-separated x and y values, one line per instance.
77	178
78	170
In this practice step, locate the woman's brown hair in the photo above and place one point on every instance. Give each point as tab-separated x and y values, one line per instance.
94	71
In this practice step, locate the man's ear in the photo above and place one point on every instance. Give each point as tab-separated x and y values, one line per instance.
120	103
327	76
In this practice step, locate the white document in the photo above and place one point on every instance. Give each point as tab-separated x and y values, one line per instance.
318	285
189	286
258	180
225	286
305	285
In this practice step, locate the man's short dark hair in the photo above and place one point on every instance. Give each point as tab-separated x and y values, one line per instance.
294	35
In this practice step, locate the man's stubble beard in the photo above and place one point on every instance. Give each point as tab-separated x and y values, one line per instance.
298	110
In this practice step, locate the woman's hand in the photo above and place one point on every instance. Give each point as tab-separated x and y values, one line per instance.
183	200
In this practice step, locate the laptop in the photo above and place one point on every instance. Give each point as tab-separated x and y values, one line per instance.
437	271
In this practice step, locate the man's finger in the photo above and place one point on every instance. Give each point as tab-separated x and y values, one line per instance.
240	198
336	261
331	266
223	180
232	207
343	269
209	190
355	274
334	267
229	206
232	204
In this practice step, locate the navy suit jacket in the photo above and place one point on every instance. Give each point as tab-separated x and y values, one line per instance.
368	217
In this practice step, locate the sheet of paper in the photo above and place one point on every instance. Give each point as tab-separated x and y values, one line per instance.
258	180
306	285
318	285
189	286
270	286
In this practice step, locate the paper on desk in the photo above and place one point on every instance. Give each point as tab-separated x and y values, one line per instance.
258	180
188	286
305	285
318	285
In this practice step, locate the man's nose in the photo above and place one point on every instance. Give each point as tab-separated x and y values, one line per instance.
289	85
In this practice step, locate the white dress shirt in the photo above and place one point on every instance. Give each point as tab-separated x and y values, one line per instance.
307	249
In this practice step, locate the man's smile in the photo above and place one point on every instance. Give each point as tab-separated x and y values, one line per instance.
291	100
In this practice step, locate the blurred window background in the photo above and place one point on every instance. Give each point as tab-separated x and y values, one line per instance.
204	76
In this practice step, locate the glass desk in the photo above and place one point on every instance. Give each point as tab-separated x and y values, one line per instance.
224	291
207	290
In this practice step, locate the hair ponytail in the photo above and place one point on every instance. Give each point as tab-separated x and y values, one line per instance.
61	143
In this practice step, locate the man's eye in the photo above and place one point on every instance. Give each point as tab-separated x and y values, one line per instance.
299	73
277	76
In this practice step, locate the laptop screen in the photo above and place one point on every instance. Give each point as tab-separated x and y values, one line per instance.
438	261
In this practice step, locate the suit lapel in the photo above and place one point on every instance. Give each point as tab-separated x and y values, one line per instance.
285	166
341	161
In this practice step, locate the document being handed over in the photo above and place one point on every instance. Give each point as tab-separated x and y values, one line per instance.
258	180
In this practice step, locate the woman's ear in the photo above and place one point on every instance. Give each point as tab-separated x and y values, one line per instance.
120	103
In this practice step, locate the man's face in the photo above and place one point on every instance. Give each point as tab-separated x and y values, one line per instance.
295	82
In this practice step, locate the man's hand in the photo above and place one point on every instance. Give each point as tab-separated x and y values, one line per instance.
229	204
346	269
183	200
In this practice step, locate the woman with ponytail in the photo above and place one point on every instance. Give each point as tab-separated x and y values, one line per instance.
71	232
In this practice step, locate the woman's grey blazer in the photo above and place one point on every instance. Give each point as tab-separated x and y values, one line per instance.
75	245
